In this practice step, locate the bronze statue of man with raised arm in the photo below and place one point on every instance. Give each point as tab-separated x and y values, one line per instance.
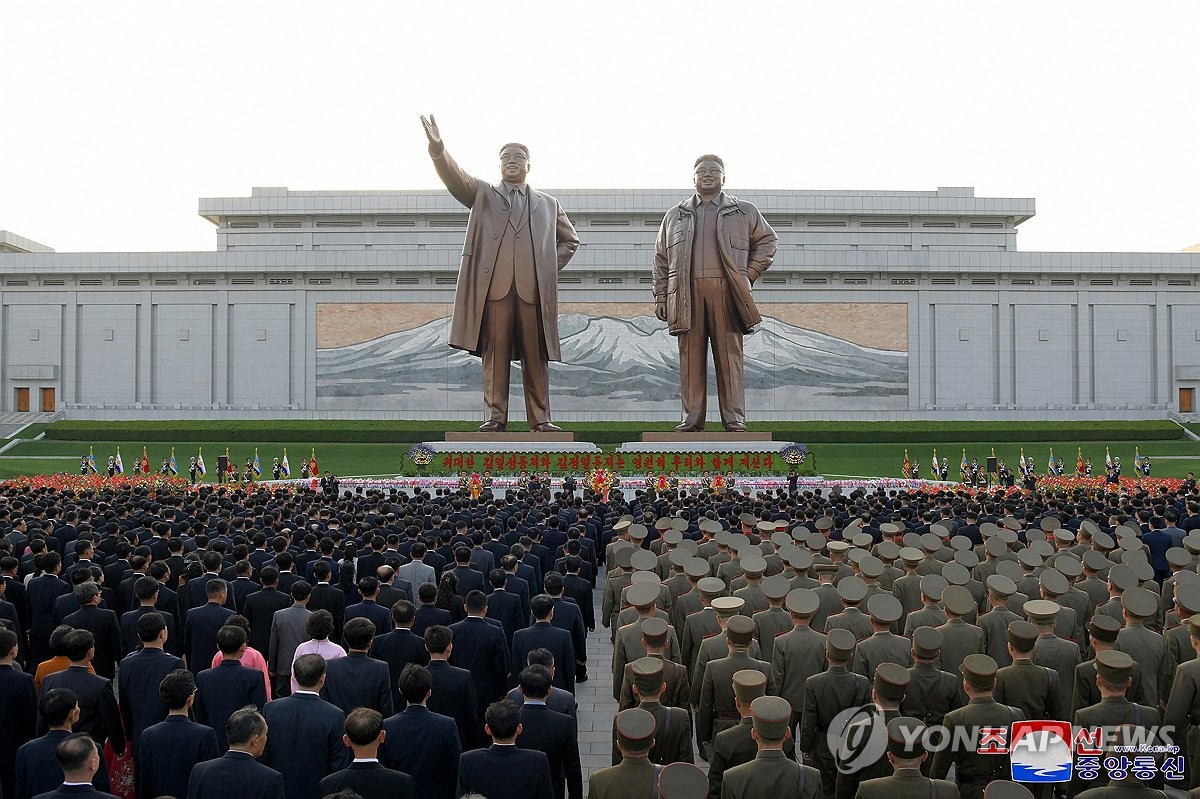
506	300
711	248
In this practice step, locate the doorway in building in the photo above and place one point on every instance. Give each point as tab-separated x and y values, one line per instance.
1187	400
47	399
22	400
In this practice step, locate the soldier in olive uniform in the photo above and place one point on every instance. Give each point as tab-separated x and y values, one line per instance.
931	693
628	645
891	681
754	566
771	773
701	624
682	781
635	775
1179	647
1053	652
688	602
851	591
830	602
931	614
1025	685
1145	646
654	641
1114	672
798	654
618	579
735	746
717	710
1053	587
775	621
995	622
1084	693
908	587
906	752
974	770
1183	708
882	646
825	695
1121	578
1094	583
715	647
959	638
672	725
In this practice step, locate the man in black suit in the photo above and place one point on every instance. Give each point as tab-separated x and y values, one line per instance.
428	613
18	710
99	715
307	743
399	648
505	606
146	590
200	628
328	597
170	749
261	606
37	767
366	776
391	588
243	585
141	674
368	589
423	743
480	647
40	594
502	771
103	626
579	589
196	591
453	688
222	690
553	733
79	758
358	680
558	700
236	773
468	578
521	579
567	616
544	635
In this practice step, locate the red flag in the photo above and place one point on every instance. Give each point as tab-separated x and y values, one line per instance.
313	471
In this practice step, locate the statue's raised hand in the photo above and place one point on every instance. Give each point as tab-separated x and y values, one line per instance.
431	130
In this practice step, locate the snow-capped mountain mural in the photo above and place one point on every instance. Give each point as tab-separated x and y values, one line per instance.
610	363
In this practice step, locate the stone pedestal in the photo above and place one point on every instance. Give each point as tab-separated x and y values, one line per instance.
512	437
722	437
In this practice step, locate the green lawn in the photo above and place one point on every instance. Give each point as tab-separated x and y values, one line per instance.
857	459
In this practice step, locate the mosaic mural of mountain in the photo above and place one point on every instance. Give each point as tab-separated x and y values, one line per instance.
614	364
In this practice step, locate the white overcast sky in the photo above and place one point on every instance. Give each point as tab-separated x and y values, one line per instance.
116	117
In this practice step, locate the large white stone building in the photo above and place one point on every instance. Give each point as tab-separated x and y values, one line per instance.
880	305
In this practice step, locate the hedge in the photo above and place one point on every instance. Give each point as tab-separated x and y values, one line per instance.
400	432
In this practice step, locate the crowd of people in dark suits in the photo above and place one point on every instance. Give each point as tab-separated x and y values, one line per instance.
390	644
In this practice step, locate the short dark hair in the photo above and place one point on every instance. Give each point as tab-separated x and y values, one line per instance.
300	590
438	638
74	752
77	644
709	157
145	588
176	687
497	578
363	726
230	638
8	642
502	718
56	705
308	670
476	601
319	625
243	725
540	657
321	570
427	593
368	586
541	605
358	632
215	588
149	625
269	575
404	612
535	682
415	683
553	583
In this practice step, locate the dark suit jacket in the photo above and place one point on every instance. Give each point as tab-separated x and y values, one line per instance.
427	616
505	607
37	767
370	609
370	781
555	735
580	590
40	595
481	648
224	689
333	599
75	792
141	706
234	774
567	616
200	634
390	594
505	772
454	696
259	610
425	745
195	592
469	580
18	720
304	742
168	751
397	649
544	635
99	715
242	589
130	642
359	681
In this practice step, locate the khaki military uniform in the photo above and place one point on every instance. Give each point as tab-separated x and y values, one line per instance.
699	626
756	600
973	770
629	779
1084	692
672	735
928	616
830	604
1062	656
1032	688
712	649
994	624
733	747
676	694
798	655
1179	650
684	606
769	624
852	619
628	647
908	590
771	774
1111	713
959	639
1183	709
1148	649
611	603
881	648
907	783
825	695
846	785
931	694
717	710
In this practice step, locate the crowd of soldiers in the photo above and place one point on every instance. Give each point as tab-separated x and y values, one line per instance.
743	626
